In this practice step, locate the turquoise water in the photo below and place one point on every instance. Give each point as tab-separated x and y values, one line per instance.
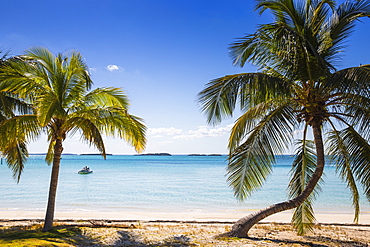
178	182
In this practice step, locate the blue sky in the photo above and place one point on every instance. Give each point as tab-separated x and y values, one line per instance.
161	52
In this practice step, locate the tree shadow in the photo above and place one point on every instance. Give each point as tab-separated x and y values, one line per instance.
33	235
337	241
288	241
317	241
130	239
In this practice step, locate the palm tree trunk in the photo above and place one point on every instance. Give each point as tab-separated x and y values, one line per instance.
49	217
242	226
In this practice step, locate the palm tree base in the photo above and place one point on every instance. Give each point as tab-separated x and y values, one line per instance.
232	234
46	229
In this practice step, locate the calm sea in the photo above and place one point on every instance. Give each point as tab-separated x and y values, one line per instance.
178	182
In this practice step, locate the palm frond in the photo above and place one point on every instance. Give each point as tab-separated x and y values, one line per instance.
89	132
317	13
218	100
340	25
358	150
353	80
23	127
15	134
43	60
47	107
107	97
291	44
358	112
303	218
250	163
279	121
10	104
16	155
112	122
77	79
50	153
302	170
78	71
127	127
23	78
248	169
341	156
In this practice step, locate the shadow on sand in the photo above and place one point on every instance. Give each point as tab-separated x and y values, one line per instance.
317	241
127	238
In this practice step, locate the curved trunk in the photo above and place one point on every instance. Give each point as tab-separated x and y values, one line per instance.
242	226
49	217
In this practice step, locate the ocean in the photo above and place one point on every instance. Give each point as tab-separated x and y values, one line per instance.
143	183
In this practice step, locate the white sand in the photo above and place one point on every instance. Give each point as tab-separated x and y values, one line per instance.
223	216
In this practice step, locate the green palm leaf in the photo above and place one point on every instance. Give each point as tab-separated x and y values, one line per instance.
16	132
109	97
250	162
341	25
221	95
16	155
89	132
275	120
302	170
340	155
351	80
358	150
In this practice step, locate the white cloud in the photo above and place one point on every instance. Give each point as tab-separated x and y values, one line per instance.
200	139
91	70
179	134
158	132
165	142
204	131
112	67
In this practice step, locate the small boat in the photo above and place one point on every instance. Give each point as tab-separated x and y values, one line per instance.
85	170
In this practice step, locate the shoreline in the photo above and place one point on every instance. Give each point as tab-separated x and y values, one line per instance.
194	216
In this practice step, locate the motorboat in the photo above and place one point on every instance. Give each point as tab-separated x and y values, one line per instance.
85	170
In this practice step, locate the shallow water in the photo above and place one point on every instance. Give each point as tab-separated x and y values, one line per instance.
178	182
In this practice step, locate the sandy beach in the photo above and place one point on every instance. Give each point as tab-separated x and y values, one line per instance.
200	215
197	233
196	228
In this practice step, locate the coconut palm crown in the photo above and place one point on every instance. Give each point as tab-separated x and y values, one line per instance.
297	88
59	89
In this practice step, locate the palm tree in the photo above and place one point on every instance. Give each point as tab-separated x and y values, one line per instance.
297	88
58	87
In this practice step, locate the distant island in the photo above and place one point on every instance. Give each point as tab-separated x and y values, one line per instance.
46	153
205	155
95	154
154	154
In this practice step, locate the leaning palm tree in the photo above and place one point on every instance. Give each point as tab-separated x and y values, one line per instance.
58	87
297	88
